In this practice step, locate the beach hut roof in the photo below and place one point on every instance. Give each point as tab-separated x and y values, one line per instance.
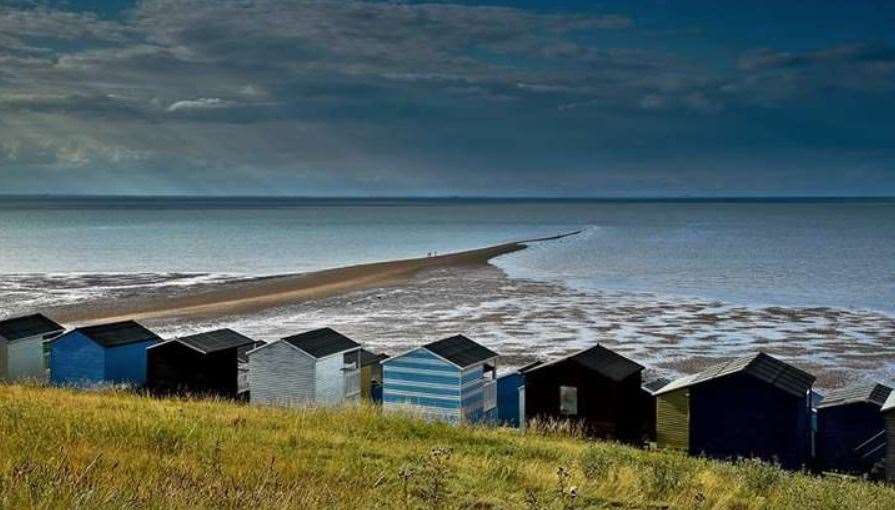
599	359
461	351
323	342
371	358
873	393
214	341
656	384
761	366
115	334
27	326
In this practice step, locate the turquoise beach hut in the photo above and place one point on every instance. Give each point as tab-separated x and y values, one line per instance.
113	353
452	380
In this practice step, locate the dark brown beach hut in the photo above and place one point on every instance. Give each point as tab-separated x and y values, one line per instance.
754	406
888	411
206	363
597	389
851	431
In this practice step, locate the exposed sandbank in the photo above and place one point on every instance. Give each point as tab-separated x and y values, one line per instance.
258	294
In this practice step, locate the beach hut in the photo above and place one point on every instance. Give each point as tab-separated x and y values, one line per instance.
206	363
316	367
106	353
597	389
371	375
754	406
509	388
851	432
22	346
888	412
451	380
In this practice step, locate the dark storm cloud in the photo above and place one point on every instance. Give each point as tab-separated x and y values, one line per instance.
379	97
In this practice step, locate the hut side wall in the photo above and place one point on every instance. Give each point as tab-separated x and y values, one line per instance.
127	364
331	382
3	365
471	395
890	446
673	420
280	374
76	360
840	430
740	416
421	382
606	408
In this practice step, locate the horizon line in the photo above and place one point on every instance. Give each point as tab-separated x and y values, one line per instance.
608	198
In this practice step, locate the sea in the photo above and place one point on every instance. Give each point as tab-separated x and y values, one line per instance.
675	284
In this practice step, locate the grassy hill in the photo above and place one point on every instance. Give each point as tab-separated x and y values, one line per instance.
61	448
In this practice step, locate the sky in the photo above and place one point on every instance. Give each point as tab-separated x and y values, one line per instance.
505	98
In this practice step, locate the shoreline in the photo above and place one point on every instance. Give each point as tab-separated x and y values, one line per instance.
271	291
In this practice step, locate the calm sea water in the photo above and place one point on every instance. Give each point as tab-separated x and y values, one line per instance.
799	253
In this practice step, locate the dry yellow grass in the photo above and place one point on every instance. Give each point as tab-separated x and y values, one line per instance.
68	449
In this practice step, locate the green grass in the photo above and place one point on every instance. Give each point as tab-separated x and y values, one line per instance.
68	449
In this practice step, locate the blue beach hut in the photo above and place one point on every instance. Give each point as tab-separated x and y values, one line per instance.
509	387
106	353
451	380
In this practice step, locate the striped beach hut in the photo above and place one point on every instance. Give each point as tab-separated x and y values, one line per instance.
888	412
595	388
451	380
107	353
754	406
316	367
22	346
851	432
204	364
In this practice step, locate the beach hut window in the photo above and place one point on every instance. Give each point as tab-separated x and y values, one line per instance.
568	400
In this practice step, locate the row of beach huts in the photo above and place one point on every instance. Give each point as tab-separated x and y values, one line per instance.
751	407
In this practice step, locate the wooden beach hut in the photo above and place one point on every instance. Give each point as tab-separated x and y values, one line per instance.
204	364
316	367
851	432
754	406
596	388
451	380
888	412
106	353
22	346
371	375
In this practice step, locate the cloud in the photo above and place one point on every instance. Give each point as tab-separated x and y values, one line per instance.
203	103
314	92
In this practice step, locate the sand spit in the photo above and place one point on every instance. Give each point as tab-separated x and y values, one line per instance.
255	295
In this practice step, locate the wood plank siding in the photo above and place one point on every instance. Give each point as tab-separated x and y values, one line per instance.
421	382
280	374
890	445
673	420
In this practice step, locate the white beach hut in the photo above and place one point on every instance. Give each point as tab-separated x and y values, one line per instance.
316	367
22	346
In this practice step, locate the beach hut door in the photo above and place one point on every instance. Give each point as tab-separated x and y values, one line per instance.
522	407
